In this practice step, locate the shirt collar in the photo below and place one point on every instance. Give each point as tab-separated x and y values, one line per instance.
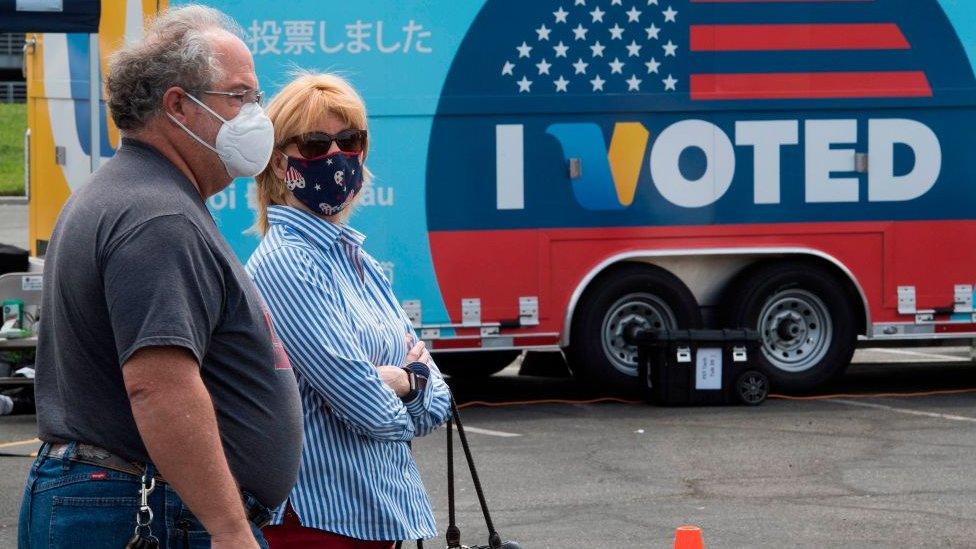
320	232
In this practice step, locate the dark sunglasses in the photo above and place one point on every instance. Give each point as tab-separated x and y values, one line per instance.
316	144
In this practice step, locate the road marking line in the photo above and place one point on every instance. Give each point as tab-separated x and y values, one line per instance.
489	432
924	355
908	411
20	443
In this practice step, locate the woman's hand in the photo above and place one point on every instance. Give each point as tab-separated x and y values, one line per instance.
396	378
417	353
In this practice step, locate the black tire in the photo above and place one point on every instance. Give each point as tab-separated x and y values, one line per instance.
474	364
660	300
752	388
805	316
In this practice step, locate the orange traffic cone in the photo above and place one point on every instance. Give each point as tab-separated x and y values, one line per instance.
688	537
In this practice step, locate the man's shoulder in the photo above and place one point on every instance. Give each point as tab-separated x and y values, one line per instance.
128	192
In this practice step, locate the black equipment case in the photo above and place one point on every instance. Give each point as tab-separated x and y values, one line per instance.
13	259
696	367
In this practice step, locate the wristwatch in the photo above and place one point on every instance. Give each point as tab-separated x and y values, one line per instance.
417	375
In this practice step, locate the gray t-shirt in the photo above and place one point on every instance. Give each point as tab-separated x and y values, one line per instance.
136	261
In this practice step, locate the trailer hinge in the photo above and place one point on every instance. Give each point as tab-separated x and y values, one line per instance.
575	168
529	311
963	299
471	311
412	307
906	300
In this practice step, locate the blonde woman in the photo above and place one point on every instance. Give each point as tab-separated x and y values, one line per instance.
367	385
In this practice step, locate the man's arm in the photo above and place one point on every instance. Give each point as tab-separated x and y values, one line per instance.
176	420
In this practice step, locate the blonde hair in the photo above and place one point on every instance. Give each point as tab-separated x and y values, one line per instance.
295	110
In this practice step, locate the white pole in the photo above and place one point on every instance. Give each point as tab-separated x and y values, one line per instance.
94	100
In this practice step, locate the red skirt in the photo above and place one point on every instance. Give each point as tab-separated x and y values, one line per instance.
291	534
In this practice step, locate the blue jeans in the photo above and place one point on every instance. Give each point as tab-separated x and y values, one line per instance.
71	504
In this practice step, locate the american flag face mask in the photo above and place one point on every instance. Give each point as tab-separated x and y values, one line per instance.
326	184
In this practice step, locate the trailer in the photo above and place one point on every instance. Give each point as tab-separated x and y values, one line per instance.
550	173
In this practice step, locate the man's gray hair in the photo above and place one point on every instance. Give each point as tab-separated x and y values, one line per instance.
176	50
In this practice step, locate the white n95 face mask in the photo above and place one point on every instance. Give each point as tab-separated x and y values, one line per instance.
244	143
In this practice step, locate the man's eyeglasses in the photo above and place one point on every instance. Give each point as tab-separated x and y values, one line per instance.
249	96
316	144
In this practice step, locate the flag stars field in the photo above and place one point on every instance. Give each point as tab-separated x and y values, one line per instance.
615	31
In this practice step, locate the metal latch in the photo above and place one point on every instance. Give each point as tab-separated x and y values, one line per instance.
60	155
684	354
861	162
471	311
906	300
963	298
738	354
413	310
529	311
575	168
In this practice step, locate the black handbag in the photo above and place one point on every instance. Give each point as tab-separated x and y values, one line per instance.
453	532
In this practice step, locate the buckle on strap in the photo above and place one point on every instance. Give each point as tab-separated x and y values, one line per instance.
255	511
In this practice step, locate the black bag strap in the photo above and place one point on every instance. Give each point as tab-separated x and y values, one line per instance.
453	533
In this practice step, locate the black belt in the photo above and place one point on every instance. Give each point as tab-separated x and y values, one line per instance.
100	457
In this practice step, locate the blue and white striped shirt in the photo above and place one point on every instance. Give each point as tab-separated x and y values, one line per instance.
338	318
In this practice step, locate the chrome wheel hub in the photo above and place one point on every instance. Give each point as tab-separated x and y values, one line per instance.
642	310
796	329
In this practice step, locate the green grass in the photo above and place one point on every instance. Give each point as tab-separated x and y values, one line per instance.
13	122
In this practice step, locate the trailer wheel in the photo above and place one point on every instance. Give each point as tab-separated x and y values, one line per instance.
633	294
474	364
806	320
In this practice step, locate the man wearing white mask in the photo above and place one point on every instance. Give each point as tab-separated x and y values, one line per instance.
168	410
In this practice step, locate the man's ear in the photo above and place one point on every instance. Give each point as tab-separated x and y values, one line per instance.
174	103
279	163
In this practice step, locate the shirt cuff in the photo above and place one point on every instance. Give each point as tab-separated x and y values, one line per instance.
420	403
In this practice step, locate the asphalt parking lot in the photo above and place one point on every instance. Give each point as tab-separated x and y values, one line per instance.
844	469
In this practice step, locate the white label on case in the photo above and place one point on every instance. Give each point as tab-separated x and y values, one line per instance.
708	369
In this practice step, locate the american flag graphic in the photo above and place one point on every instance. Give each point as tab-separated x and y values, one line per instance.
715	50
294	179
